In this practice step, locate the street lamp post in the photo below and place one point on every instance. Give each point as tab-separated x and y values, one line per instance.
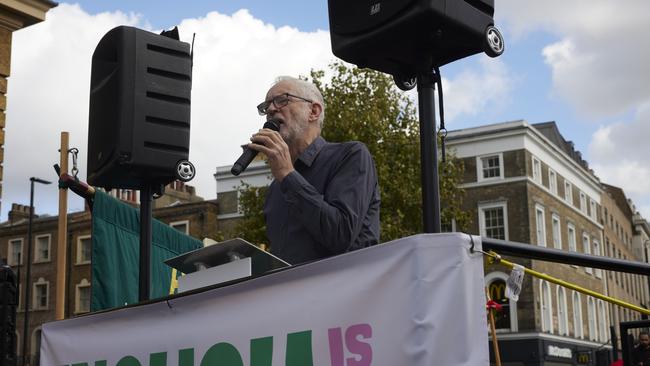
29	256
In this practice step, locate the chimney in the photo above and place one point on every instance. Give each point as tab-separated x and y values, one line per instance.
18	212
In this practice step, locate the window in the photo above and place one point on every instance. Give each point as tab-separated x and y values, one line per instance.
583	203
571	237
552	181
84	249
557	238
598	271
497	291
592	209
562	313
586	247
546	307
602	322
540	226
537	170
493	220
41	294
182	226
82	297
568	192
15	252
577	316
42	248
591	318
489	167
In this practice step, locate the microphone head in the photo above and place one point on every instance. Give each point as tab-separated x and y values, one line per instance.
272	124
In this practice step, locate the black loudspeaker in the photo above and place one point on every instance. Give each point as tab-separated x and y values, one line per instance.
400	37
139	120
8	303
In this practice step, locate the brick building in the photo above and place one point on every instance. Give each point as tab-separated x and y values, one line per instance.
526	183
179	208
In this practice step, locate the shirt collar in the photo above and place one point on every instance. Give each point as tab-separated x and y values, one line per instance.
307	157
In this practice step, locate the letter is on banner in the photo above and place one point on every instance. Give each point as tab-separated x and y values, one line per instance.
361	351
357	347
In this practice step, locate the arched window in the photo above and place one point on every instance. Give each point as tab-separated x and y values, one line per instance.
577	316
562	313
591	318
546	307
506	320
602	322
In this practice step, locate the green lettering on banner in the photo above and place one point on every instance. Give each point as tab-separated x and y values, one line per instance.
262	351
299	349
186	357
128	361
222	354
158	359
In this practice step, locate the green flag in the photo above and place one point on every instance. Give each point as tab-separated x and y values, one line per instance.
115	253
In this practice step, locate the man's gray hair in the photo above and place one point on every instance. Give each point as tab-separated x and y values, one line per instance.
307	90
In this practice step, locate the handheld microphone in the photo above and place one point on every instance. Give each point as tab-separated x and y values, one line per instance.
249	154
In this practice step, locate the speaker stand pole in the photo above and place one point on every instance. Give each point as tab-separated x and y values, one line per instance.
146	198
428	152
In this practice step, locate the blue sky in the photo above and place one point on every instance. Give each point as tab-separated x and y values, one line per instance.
570	62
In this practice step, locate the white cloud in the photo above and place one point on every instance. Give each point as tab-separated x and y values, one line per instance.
599	66
599	63
236	59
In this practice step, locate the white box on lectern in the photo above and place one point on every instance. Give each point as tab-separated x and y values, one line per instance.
222	262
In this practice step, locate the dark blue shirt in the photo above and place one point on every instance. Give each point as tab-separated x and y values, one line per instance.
328	205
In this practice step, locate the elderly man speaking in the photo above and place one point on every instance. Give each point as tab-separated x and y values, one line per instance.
324	199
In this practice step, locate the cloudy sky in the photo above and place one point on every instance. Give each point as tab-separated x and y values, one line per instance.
570	62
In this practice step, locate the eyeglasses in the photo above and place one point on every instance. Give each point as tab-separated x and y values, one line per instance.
278	101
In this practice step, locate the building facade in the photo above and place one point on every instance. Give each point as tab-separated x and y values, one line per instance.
526	183
185	212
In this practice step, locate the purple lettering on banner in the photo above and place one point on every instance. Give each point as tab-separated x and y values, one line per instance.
357	347
336	346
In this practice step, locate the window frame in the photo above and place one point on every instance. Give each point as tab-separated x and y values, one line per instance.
537	170
496	275
84	284
37	258
577	325
597	250
10	251
481	216
480	168
557	236
36	305
540	230
173	224
552	181
586	248
583	203
571	227
568	193
562	311
79	260
546	306
592	322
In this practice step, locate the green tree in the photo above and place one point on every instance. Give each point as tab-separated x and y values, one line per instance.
364	105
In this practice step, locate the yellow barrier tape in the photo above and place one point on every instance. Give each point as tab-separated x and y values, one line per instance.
557	281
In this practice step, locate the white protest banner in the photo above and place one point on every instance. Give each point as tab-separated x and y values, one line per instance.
414	301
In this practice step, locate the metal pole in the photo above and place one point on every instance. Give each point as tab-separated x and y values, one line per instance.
145	241
504	247
32	180
61	247
428	152
29	256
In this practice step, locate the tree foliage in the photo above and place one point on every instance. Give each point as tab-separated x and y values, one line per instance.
364	105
